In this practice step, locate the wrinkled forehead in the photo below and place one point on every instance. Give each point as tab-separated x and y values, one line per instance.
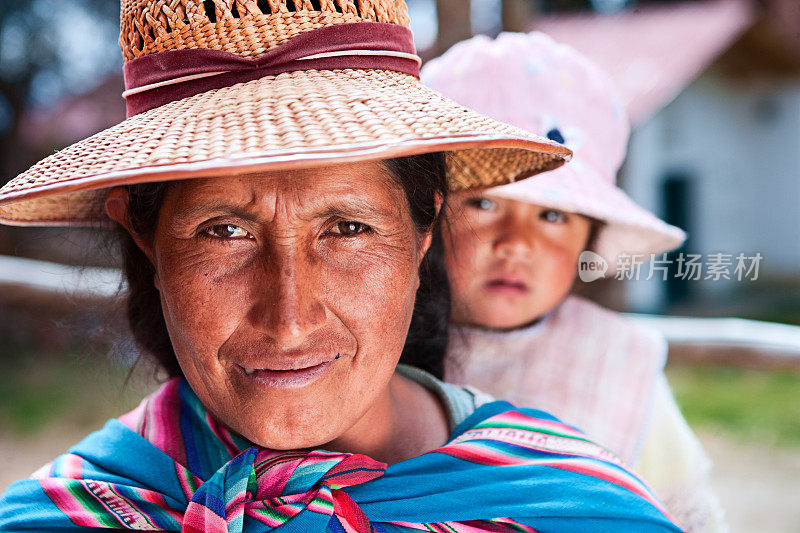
363	188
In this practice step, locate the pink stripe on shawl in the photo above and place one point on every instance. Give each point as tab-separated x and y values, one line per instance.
68	504
159	421
201	519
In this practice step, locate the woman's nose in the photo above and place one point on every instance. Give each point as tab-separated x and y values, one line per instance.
289	310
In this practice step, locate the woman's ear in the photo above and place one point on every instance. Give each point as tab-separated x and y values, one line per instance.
438	201
427	239
117	209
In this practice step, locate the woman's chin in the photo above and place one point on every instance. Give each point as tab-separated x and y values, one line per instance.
286	431
287	438
280	443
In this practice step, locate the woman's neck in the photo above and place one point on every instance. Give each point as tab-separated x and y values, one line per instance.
406	421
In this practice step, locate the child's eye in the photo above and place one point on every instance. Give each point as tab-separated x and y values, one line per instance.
553	216
349	227
482	203
226	231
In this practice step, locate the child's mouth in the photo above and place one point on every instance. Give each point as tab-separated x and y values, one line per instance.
507	286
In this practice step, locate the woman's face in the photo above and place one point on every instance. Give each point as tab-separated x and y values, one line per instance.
509	262
288	296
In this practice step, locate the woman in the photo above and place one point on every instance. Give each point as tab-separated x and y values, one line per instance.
278	184
513	254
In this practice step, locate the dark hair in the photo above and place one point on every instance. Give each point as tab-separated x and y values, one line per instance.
423	179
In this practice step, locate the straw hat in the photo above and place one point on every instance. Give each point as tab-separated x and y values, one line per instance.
226	87
533	82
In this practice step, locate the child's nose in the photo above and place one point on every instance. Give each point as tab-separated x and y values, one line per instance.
516	240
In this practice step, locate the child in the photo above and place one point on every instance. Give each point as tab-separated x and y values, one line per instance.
512	257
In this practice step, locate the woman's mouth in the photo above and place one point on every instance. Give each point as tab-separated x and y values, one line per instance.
289	378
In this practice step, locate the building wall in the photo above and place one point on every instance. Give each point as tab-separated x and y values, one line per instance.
738	148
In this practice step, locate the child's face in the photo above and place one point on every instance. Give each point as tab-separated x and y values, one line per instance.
509	262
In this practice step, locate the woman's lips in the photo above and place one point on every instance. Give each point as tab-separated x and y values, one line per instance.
507	287
289	378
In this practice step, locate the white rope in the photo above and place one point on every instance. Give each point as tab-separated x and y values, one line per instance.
173	81
386	53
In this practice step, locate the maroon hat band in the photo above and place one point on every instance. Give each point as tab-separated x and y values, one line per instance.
157	79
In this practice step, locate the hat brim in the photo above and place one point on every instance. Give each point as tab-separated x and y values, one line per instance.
576	188
297	119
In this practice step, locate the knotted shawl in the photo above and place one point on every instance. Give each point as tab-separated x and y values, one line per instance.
169	466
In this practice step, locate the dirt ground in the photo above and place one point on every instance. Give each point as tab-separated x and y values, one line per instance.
759	486
19	457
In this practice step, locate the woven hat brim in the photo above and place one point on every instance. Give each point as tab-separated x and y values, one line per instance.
293	120
628	228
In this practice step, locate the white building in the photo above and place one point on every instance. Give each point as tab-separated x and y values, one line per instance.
723	161
714	98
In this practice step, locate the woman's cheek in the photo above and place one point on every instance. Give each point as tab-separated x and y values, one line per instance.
375	263
202	293
372	290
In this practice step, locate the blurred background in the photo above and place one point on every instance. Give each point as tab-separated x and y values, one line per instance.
713	91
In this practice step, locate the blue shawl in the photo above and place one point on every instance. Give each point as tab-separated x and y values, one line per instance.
169	466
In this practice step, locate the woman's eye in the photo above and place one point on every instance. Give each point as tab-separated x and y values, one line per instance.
551	215
348	227
482	204
226	231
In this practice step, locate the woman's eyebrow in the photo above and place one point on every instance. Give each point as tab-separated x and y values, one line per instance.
205	209
349	207
357	208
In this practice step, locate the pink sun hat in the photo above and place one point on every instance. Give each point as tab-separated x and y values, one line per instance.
550	89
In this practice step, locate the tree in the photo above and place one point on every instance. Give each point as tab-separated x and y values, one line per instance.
517	14
454	22
47	47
